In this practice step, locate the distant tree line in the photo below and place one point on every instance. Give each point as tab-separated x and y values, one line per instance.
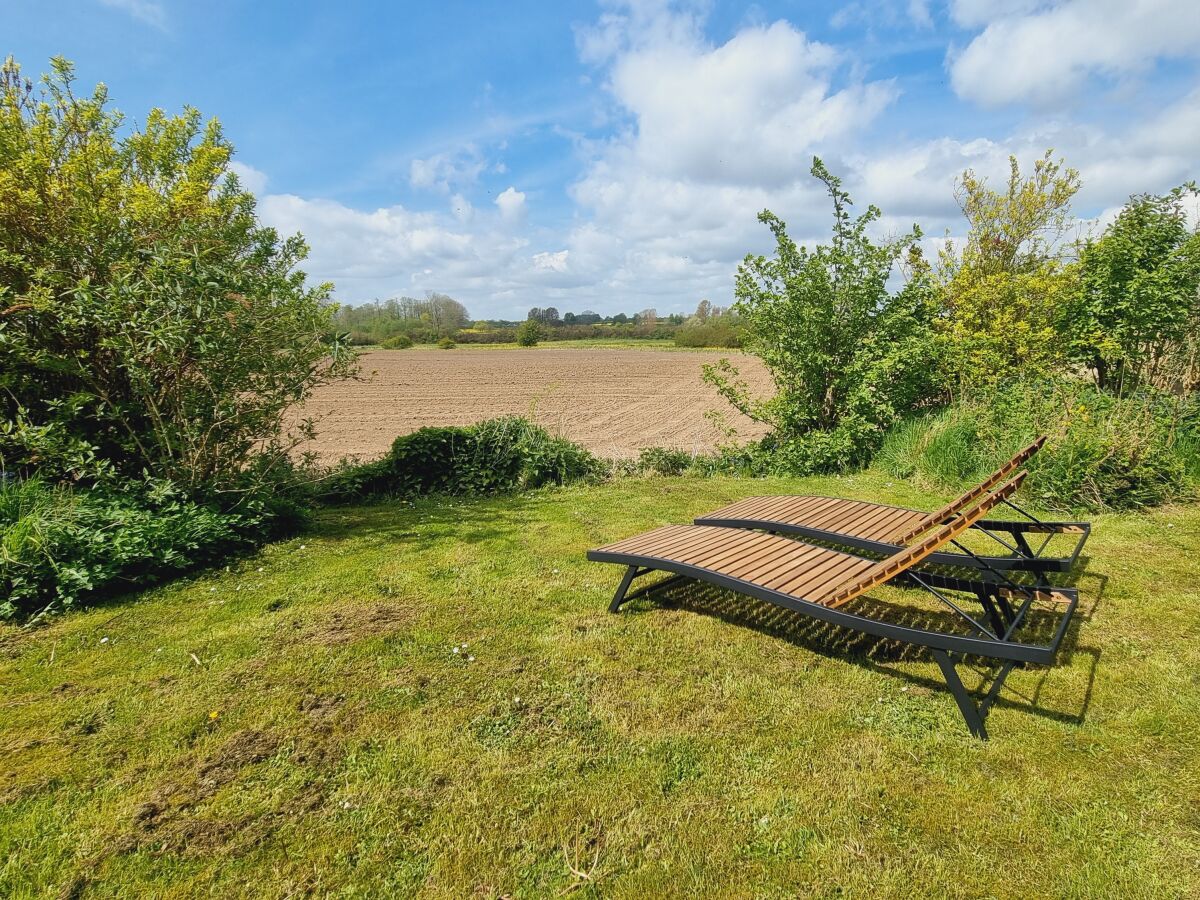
402	321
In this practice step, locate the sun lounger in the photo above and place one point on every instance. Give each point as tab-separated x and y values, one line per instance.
819	582
879	528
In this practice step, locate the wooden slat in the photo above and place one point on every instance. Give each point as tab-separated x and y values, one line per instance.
910	556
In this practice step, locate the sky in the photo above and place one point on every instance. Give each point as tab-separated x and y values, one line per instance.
613	156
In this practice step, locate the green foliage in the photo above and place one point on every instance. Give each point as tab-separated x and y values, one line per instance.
423	321
446	344
664	461
1004	294
60	547
494	456
529	333
398	342
148	324
1103	452
1136	316
847	355
715	333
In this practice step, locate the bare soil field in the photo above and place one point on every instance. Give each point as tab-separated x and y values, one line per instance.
614	402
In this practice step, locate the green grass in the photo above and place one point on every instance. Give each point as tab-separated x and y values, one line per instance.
299	725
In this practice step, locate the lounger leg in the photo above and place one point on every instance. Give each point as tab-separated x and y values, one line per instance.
622	589
966	705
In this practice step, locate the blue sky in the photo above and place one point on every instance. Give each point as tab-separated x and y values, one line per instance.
613	155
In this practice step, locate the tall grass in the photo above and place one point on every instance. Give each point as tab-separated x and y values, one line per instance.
1102	452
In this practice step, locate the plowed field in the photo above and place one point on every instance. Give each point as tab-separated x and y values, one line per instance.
614	402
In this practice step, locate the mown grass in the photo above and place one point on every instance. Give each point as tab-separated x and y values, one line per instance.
299	724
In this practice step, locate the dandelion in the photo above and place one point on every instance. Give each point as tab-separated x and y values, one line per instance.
213	716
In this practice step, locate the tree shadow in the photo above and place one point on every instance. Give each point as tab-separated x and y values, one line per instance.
881	654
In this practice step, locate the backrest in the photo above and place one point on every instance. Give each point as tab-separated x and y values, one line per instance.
889	568
979	490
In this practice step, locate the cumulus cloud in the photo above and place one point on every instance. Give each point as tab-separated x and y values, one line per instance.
1042	55
511	204
446	171
251	178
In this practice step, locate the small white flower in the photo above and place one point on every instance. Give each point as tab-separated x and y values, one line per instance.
304	546
212	590
470	659
556	571
158	649
259	569
516	699
464	645
904	690
345	804
104	640
455	650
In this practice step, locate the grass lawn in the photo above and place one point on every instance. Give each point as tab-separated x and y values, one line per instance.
298	724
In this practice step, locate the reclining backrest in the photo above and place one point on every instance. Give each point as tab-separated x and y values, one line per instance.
936	518
889	568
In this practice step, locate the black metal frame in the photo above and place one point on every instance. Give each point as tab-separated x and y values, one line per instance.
992	641
1021	558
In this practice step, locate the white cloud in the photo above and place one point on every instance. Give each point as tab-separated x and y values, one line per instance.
251	178
143	10
511	204
551	262
444	171
1044	55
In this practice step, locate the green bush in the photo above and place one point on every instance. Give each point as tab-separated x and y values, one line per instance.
495	456
1103	451
397	342
529	333
60	547
446	344
710	334
664	461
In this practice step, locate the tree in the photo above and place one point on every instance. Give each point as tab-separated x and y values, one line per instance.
703	311
535	315
148	323
1004	293
847	356
529	333
550	316
569	318
445	313
1135	318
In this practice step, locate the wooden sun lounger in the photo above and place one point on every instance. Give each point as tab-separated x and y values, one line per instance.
879	528
818	582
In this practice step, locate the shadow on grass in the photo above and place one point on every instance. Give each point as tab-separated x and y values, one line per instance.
880	654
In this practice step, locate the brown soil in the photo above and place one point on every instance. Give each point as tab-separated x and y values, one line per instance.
614	402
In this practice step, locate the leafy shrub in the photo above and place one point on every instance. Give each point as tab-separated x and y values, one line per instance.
848	357
709	334
148	322
1103	451
495	456
60	547
446	344
398	342
664	461
529	333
